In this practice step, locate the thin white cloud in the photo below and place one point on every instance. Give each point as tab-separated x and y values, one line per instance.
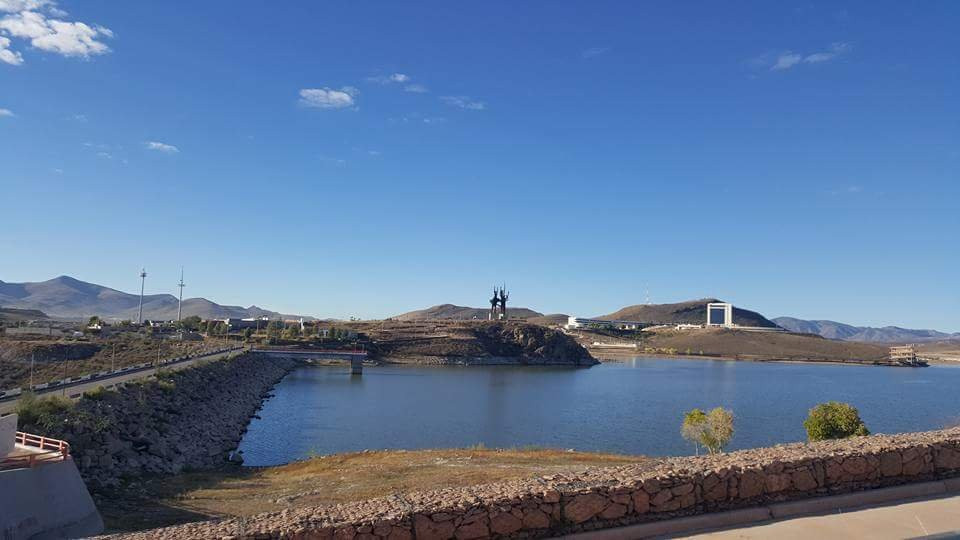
790	59
464	102
8	55
161	147
390	79
786	61
41	24
835	50
416	88
6	112
328	98
594	51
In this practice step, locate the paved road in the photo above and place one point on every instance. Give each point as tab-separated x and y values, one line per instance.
914	518
77	389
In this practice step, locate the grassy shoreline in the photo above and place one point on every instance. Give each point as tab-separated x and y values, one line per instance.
245	491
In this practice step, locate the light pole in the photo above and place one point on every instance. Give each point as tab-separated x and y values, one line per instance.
143	279
31	369
180	303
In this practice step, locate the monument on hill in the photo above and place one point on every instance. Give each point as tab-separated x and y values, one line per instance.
498	304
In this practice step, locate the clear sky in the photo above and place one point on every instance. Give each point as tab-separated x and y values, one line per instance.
368	158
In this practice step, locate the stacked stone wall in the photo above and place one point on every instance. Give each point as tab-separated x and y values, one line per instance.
609	497
184	420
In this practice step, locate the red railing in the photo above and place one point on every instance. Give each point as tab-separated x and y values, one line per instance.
49	450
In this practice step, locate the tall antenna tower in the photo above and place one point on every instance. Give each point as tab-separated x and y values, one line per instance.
143	279
180	303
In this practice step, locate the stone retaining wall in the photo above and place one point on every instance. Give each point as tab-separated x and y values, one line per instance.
186	419
609	497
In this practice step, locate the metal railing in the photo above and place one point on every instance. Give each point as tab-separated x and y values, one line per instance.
50	450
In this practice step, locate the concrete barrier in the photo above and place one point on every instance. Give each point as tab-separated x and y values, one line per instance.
8	433
46	502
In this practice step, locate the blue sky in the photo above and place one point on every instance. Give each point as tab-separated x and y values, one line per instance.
361	158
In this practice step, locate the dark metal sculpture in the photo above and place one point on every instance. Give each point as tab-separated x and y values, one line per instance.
498	304
503	302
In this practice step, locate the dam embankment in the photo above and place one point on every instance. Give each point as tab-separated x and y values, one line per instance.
182	420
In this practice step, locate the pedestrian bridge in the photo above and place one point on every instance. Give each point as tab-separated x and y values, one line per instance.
355	357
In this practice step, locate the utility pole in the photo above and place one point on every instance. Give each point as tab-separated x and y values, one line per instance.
180	304
113	358
143	279
31	369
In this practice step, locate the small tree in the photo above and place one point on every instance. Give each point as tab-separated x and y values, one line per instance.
191	323
712	430
834	420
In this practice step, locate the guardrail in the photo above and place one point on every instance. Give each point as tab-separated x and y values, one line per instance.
50	450
14	392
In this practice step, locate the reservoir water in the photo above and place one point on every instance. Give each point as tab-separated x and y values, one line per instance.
631	407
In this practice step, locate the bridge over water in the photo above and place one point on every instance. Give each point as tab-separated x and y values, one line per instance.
355	357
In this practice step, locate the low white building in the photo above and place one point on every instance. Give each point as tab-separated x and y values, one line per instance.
574	323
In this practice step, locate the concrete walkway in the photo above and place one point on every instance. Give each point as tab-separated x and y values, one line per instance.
908	519
907	511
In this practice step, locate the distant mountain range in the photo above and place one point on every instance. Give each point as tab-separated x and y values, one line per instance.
68	298
689	312
846	332
462	313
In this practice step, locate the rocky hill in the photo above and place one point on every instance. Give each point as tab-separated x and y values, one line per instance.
451	312
847	332
69	298
471	342
690	312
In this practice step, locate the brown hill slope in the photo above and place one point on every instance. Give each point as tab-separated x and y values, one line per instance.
451	312
738	343
689	312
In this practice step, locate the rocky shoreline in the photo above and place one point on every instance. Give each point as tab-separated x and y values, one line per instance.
183	420
476	343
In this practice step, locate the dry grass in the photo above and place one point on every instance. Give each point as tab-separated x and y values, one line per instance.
328	480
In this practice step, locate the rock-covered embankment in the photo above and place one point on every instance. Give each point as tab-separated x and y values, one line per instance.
609	497
188	419
477	343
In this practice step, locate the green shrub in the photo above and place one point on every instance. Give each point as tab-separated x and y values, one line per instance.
834	420
43	412
96	394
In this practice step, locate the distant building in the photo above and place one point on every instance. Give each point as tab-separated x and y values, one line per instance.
720	314
242	324
574	323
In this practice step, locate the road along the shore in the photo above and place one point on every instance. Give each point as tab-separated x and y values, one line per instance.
76	388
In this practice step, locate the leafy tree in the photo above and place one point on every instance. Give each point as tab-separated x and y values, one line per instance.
292	331
834	420
712	430
191	323
95	320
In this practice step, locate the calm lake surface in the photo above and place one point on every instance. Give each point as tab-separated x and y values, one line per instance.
631	407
